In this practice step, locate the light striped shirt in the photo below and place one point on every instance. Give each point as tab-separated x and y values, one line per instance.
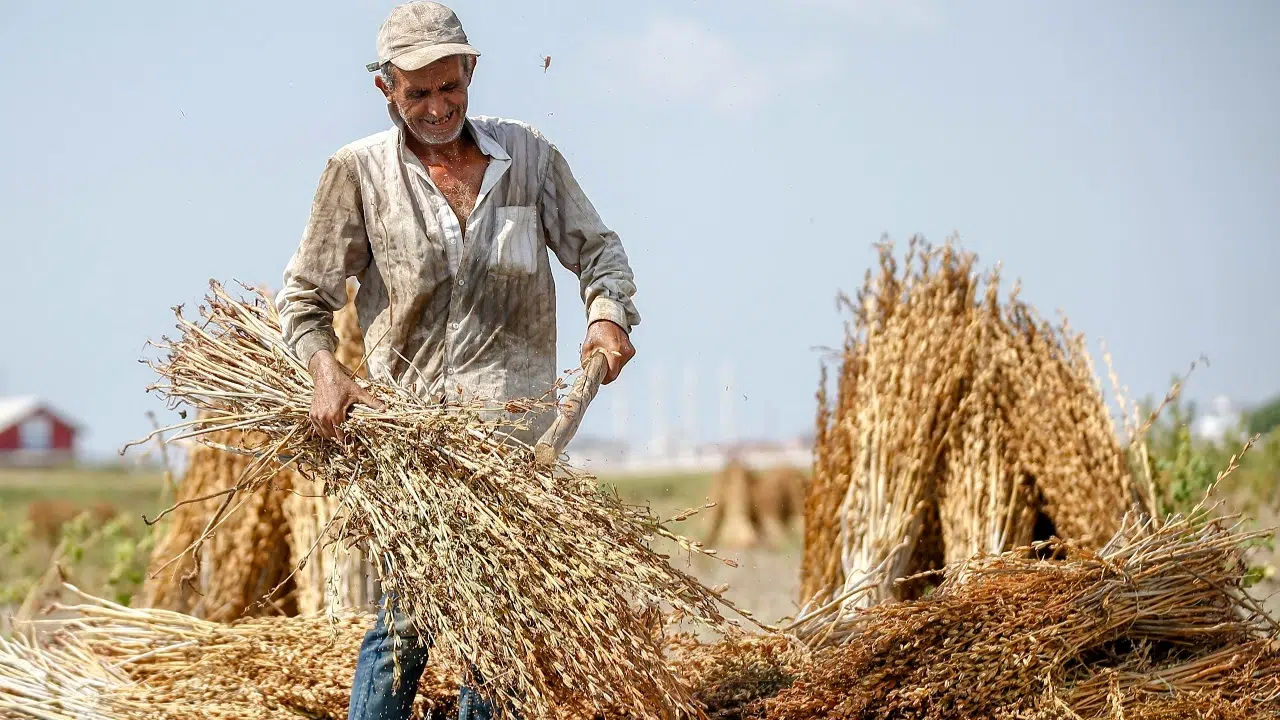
453	315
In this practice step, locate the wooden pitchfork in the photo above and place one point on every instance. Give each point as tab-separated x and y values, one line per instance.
571	410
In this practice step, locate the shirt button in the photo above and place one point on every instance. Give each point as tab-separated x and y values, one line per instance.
454	326
461	283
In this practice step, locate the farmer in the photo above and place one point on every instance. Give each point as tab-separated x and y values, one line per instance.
448	222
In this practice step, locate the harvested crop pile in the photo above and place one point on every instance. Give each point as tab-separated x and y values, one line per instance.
534	578
108	662
115	663
1156	615
959	423
1154	625
753	507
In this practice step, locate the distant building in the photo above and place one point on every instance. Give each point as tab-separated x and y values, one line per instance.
1223	422
34	434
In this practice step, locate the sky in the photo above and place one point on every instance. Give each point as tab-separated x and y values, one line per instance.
1120	159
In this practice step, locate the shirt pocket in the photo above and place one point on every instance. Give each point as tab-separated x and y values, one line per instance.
515	242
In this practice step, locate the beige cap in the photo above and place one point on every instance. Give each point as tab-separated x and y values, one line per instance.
417	34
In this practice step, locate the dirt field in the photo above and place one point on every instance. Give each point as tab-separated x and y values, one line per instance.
766	581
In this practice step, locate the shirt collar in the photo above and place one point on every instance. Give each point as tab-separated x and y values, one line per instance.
484	141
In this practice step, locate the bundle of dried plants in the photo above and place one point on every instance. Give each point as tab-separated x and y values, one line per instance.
908	356
104	661
960	422
1160	605
532	579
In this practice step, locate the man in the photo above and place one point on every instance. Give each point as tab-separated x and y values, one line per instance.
447	221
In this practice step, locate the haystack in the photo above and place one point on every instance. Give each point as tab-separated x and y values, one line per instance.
242	568
754	507
779	501
733	523
960	424
253	562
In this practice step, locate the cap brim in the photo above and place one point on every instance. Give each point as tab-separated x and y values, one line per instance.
422	57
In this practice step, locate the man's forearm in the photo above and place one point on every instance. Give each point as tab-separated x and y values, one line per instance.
320	362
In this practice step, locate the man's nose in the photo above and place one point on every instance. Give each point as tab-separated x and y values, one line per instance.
438	107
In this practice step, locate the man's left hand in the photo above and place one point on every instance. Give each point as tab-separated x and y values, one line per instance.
608	336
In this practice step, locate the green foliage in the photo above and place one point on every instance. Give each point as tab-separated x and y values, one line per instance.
1183	468
14	543
107	559
1264	418
129	545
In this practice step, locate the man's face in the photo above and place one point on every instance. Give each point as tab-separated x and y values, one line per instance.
432	100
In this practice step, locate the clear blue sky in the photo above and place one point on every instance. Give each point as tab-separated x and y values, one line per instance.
1122	159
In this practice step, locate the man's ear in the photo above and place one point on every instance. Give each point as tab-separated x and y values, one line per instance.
381	84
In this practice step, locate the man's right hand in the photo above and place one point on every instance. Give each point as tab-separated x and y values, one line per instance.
336	392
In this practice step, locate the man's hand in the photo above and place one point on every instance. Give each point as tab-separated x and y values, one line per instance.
335	393
612	339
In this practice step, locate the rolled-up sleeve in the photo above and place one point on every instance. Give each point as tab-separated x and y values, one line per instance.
582	242
334	247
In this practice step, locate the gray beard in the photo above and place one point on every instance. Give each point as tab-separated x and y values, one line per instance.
427	139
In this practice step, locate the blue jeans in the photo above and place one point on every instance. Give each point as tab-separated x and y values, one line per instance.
375	694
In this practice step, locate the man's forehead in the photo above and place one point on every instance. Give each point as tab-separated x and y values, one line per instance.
441	71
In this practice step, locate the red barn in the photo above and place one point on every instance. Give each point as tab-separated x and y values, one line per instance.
32	433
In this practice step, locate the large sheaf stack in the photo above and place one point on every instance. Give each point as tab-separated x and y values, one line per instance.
242	568
961	424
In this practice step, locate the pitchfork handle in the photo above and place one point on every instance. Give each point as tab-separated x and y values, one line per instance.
572	409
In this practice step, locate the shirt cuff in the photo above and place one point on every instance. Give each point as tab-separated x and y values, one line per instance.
603	308
312	342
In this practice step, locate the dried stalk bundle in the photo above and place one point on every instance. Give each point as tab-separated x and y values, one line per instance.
1012	626
1067	442
1243	675
241	570
327	573
907	358
41	682
958	412
110	662
531	578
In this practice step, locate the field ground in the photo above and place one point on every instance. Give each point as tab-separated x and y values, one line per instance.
33	502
